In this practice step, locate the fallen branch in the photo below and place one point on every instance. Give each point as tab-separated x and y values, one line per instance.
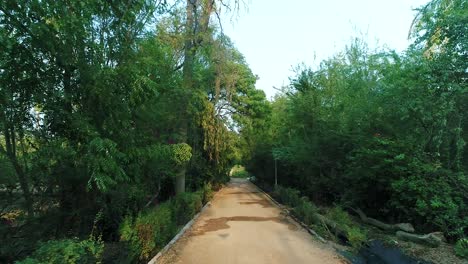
403	231
406	227
431	239
318	219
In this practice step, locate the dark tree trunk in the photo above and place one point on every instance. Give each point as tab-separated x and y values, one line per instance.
10	142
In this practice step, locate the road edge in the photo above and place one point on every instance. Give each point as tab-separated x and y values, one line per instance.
288	213
154	260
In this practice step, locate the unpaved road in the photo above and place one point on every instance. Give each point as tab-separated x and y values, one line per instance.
243	226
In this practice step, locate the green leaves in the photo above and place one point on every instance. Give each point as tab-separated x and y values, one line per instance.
8	176
181	154
103	160
461	248
168	158
67	251
379	130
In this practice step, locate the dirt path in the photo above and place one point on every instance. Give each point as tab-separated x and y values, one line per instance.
243	226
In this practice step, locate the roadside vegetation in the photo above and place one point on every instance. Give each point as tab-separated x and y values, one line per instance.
332	223
116	124
376	130
119	119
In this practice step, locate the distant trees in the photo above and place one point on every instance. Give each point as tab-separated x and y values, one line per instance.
379	130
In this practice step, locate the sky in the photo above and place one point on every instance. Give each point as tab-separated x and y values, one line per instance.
276	36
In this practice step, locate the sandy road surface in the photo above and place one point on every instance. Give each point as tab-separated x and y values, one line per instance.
242	226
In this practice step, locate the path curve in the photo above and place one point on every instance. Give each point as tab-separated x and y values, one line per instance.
243	226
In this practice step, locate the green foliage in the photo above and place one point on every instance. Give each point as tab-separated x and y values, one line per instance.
149	231
164	157
461	248
377	130
355	235
306	211
8	175
102	159
288	196
239	172
207	193
181	154
97	116
438	196
372	169
303	208
69	251
186	205
152	229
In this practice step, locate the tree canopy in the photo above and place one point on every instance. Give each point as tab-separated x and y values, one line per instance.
119	118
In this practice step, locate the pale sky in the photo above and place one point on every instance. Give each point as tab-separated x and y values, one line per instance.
276	35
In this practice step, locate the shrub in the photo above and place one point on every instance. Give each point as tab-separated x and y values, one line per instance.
207	193
461	248
185	206
355	235
436	197
306	211
288	196
370	171
67	251
149	232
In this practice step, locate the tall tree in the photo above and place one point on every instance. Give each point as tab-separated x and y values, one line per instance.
198	32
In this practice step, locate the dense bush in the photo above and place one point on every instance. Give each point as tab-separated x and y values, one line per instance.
354	234
149	231
207	193
461	248
438	197
152	229
67	251
370	171
185	206
288	196
302	207
305	210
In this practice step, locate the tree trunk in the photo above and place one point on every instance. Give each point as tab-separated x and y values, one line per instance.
407	227
195	30
180	181
431	239
189	57
11	153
